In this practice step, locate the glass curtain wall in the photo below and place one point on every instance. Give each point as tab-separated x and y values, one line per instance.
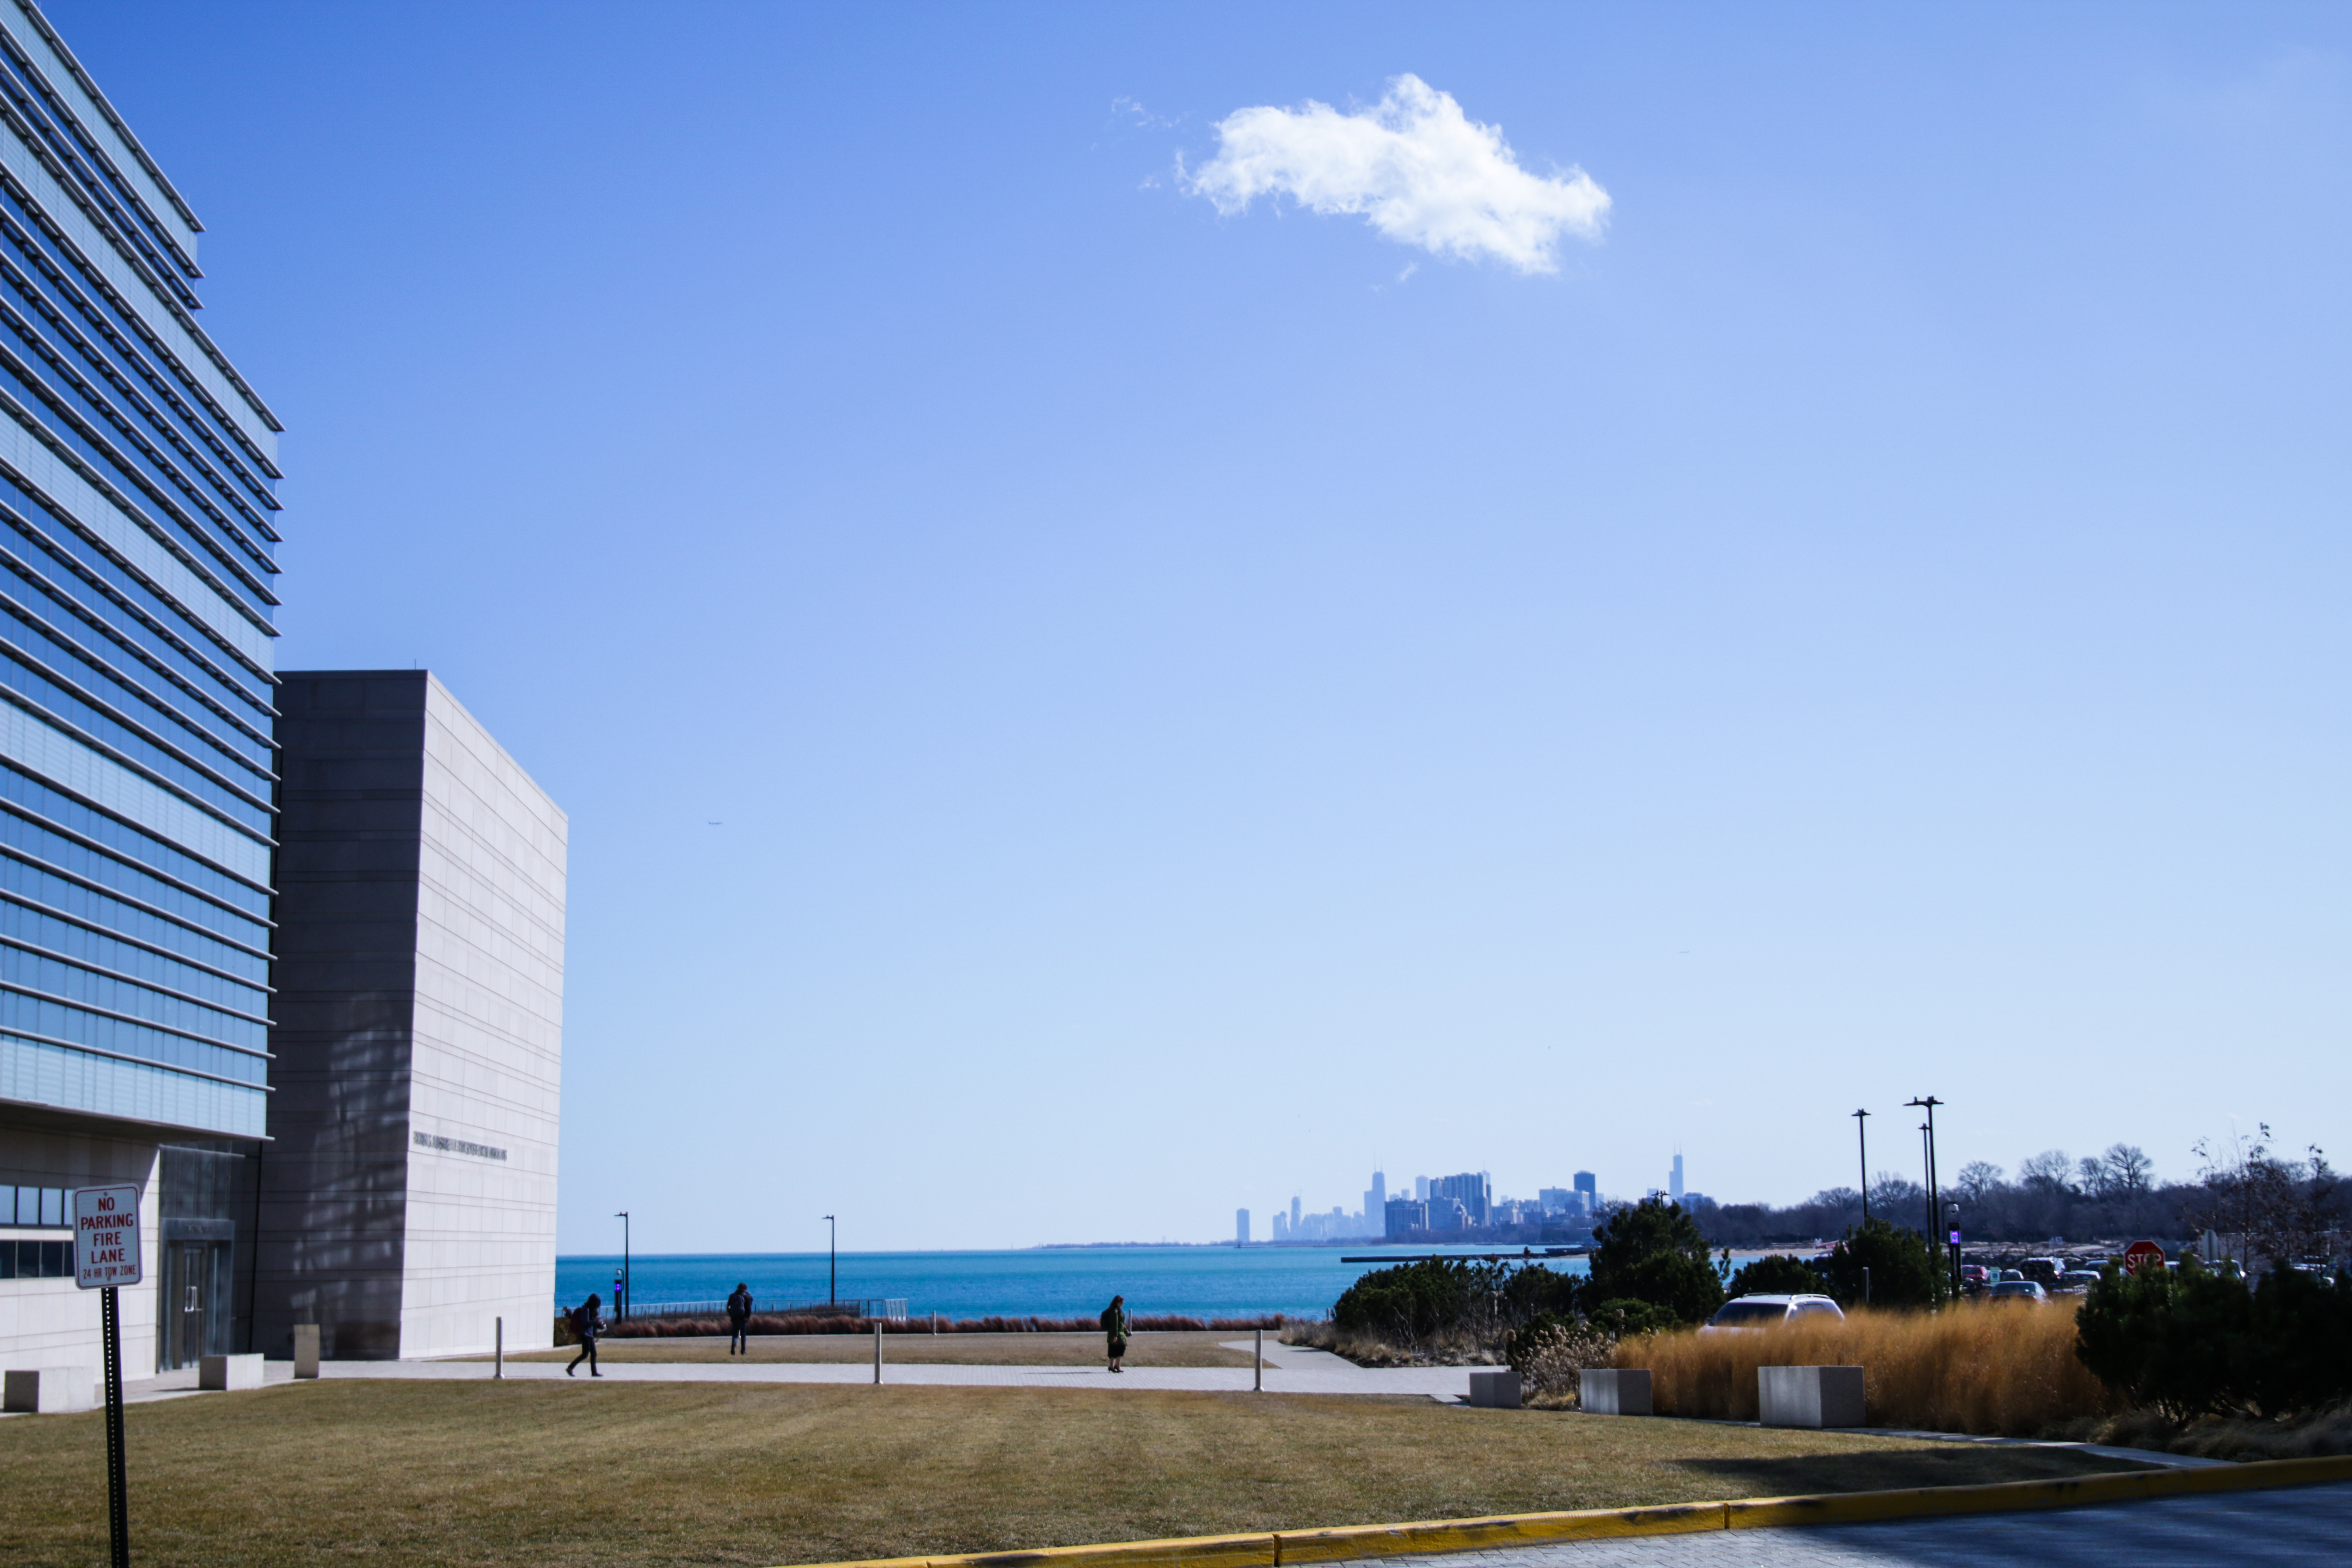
137	773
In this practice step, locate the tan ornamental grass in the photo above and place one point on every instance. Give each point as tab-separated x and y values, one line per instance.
2005	1370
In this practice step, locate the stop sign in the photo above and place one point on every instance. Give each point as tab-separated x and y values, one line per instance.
2143	1258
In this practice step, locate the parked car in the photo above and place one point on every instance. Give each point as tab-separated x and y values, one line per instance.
1769	1312
2045	1270
1975	1274
2075	1281
2018	1290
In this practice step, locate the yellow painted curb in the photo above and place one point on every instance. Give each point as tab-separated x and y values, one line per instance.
1279	1549
1338	1545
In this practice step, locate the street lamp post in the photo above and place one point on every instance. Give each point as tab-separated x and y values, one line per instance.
1934	1208
1862	1133
622	1305
831	1259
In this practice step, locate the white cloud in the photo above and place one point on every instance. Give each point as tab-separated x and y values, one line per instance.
1413	164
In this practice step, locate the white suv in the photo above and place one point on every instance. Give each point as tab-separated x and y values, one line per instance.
1769	1312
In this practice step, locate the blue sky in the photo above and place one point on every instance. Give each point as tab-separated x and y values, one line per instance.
1200	700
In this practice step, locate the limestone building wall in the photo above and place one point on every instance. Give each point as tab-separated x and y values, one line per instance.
486	1061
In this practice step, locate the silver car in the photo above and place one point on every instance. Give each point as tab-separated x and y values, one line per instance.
1770	1311
2017	1290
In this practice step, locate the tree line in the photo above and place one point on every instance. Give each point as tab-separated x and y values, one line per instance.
2247	1188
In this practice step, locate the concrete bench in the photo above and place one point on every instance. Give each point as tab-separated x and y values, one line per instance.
49	1390
1609	1391
229	1372
1809	1396
1497	1390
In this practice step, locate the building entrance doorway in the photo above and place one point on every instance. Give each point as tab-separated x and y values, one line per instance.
195	1304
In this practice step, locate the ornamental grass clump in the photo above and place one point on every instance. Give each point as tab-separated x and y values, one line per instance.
1992	1370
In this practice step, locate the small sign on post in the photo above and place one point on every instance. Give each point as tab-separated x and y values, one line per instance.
106	1237
2143	1258
108	1254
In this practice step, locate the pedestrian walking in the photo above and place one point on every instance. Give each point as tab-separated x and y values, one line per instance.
585	1322
739	1318
1115	1326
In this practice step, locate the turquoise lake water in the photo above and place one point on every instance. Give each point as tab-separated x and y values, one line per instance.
1052	1282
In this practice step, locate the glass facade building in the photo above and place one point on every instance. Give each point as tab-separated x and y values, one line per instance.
137	531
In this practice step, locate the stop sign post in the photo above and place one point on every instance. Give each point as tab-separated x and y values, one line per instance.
109	1255
2143	1258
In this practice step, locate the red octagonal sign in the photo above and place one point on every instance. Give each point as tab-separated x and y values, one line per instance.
2143	1258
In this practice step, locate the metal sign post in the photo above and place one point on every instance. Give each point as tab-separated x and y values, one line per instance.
108	1254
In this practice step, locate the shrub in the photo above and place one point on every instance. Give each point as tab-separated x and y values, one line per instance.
1904	1271
1652	1251
1413	1303
2202	1343
1778	1275
1549	1351
1971	1367
1626	1318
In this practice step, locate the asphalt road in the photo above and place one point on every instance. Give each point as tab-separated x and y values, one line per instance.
2303	1526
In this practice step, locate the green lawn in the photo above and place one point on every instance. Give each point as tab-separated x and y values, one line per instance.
390	1474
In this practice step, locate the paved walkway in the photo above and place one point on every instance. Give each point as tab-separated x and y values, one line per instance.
2299	1527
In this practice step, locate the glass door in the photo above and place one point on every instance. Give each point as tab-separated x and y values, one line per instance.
195	1304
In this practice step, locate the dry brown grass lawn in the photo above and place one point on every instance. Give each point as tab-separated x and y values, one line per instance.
918	1349
454	1475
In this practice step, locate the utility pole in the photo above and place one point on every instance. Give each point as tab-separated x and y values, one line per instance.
1861	1131
831	1259
621	1308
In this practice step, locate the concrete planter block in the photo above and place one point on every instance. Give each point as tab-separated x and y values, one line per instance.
229	1372
1497	1390
1809	1396
50	1390
1608	1391
306	1349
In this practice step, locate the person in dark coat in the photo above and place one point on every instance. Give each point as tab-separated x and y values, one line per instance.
585	1321
1115	1329
738	1319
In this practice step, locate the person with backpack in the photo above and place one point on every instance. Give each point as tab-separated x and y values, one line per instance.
587	1320
1115	1329
738	1319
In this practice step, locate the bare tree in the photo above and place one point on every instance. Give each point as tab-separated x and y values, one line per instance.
2046	1172
2128	1168
1976	1178
2091	1176
2277	1211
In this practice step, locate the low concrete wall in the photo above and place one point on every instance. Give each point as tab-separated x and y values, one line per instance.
49	1390
1610	1391
1809	1396
1497	1390
229	1372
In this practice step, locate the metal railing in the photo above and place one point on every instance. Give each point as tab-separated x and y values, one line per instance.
892	1308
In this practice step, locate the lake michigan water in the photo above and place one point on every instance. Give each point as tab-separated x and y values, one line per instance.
1046	1282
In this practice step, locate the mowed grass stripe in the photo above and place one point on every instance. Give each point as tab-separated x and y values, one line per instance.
579	1473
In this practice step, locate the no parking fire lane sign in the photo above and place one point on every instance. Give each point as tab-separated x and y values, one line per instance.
106	1236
